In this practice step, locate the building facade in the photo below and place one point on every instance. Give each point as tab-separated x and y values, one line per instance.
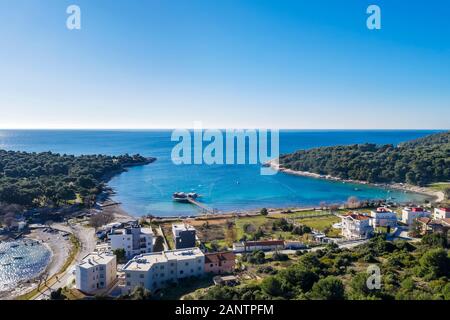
441	213
96	271
411	214
156	270
383	217
220	262
428	225
184	235
356	226
134	240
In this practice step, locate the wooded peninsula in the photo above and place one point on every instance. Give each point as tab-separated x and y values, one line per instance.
417	162
43	179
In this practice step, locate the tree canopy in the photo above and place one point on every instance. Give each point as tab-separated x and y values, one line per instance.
40	179
418	162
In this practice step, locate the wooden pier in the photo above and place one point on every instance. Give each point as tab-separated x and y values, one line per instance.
204	208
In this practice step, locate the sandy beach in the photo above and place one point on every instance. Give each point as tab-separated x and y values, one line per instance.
437	195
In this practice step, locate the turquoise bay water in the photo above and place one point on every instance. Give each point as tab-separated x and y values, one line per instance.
21	260
148	189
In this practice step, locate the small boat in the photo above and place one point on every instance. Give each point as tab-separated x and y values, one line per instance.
18	258
184	197
14	245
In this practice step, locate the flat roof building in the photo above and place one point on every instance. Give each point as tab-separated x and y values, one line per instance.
134	240
441	213
356	226
184	235
96	271
409	214
383	217
156	270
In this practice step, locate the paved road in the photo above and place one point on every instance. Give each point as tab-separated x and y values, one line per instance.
86	236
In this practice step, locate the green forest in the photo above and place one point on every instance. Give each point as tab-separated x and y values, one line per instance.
43	179
417	162
407	271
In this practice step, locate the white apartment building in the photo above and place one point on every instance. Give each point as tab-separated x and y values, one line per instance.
134	240
383	217
155	270
411	214
355	226
441	213
95	271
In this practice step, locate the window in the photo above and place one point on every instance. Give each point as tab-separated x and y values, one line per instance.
128	283
211	265
192	270
162	267
141	276
128	275
181	271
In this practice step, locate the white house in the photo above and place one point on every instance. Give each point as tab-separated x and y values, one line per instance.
156	270
134	240
355	226
441	213
383	217
95	271
410	214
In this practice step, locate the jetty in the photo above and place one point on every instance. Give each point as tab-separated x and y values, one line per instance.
204	208
192	199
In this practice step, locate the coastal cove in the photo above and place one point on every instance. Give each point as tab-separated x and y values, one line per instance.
148	189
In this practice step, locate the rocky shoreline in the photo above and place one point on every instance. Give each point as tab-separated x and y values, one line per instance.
438	196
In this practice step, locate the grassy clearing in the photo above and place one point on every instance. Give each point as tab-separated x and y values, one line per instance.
320	223
297	214
440	186
223	232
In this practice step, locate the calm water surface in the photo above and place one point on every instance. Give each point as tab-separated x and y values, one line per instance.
148	189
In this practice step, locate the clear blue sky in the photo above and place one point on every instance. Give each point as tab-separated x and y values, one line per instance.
227	63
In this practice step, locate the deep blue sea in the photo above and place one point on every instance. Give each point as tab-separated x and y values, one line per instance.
148	189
